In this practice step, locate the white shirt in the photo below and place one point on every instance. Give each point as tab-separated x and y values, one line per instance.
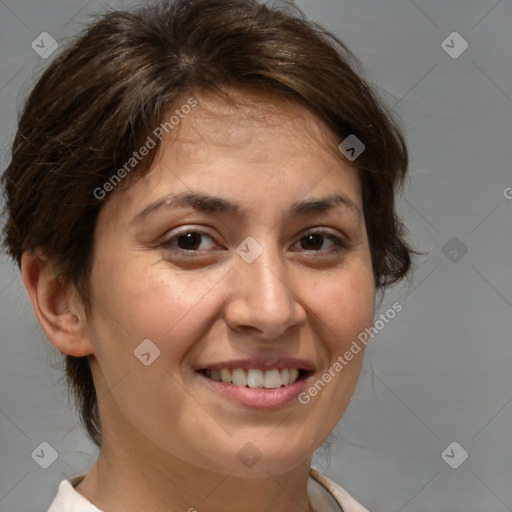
325	495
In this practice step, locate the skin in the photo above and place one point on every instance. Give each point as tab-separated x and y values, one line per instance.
169	441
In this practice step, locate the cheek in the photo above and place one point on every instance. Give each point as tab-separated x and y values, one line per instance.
139	304
345	301
169	307
351	309
344	306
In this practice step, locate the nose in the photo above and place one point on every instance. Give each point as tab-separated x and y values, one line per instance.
263	299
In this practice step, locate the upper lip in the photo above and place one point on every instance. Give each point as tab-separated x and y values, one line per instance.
261	364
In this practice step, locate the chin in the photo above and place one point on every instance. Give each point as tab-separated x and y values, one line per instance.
257	460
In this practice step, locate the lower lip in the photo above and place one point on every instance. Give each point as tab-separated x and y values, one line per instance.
257	398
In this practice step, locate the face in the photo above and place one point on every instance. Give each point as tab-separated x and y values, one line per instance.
256	280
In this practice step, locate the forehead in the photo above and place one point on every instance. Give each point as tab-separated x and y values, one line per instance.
246	120
224	143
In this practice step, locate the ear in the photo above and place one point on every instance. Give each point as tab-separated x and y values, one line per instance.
58	307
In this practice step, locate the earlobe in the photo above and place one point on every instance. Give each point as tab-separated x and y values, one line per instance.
57	306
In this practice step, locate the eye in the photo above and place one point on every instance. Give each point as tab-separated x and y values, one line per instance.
315	240
189	241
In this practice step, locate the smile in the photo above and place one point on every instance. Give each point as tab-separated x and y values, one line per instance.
255	377
257	383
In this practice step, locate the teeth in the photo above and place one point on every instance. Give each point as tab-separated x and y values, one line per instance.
225	375
272	379
239	377
255	378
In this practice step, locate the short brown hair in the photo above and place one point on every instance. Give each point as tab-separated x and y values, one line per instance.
100	99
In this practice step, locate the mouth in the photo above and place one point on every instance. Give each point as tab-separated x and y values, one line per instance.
257	384
255	377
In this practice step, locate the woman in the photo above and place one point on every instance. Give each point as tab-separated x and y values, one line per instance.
201	203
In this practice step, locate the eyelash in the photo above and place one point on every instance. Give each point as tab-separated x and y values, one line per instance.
339	243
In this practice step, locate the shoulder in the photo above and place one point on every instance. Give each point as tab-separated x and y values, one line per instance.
342	497
69	500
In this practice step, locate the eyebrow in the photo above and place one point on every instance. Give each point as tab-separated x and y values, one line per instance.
214	204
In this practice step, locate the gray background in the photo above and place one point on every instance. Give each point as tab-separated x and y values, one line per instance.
436	374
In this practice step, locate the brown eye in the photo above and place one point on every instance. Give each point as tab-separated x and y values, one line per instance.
189	241
314	241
